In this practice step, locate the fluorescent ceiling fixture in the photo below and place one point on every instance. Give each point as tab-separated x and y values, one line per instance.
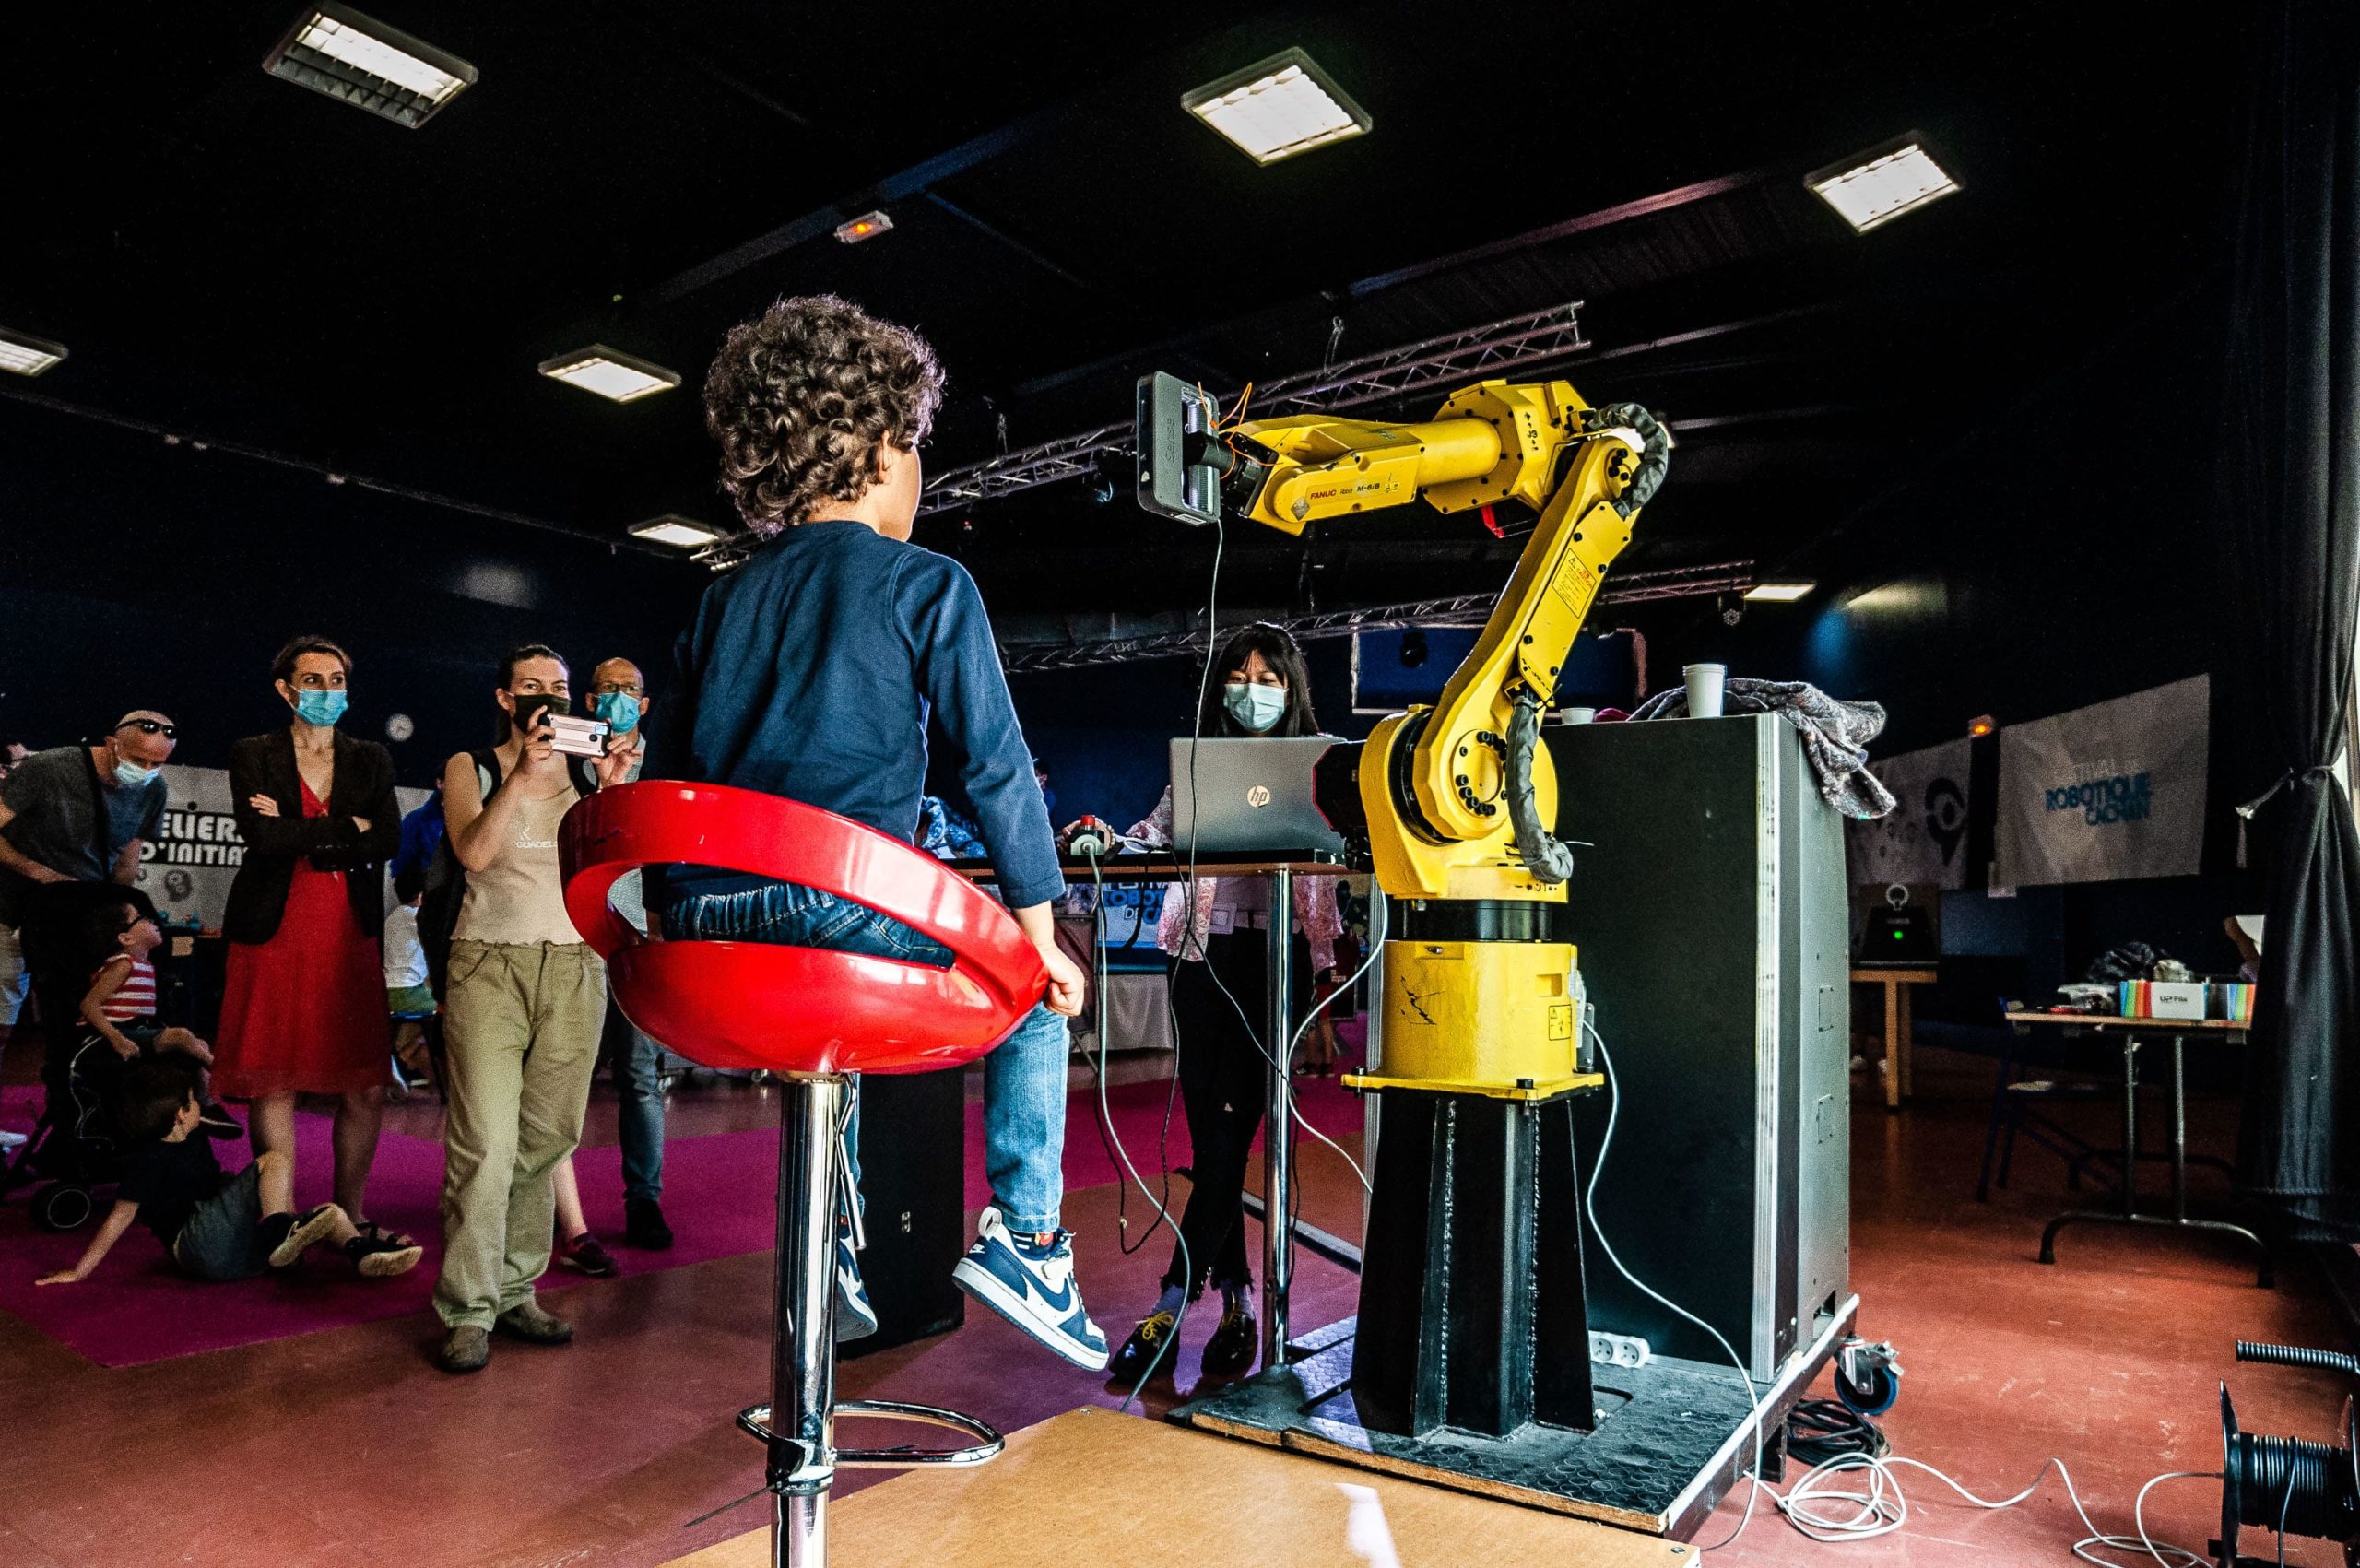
25	355
609	373
334	50
868	226
1277	108
1779	593
673	529
1882	183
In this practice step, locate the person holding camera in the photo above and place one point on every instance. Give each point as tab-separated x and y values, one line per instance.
524	1001
302	1010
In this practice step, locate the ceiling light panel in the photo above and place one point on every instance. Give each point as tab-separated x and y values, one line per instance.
25	355
609	373
1785	593
868	226
1881	185
1277	108
357	60
671	529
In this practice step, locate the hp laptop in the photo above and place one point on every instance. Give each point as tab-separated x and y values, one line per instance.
1234	796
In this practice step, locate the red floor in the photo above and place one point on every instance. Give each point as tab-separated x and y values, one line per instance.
347	1448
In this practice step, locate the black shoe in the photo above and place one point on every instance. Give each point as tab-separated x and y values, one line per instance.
1149	1340
1230	1350
643	1225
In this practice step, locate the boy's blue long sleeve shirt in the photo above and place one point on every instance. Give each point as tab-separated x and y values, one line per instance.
810	672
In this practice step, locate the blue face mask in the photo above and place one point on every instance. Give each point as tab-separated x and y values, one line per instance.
1256	707
131	775
619	709
321	707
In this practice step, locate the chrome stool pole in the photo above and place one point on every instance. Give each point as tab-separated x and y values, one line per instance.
796	1427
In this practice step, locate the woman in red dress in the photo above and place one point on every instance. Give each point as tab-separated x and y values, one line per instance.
303	1004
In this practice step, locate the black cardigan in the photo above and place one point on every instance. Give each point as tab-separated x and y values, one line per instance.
363	787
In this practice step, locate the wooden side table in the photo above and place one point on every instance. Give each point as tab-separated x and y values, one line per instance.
1896	981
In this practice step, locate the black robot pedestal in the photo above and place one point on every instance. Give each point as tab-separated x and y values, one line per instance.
1471	1302
1710	917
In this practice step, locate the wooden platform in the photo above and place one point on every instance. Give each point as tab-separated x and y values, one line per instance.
1110	1488
1672	1437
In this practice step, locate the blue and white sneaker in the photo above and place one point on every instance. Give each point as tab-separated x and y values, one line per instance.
1031	1288
855	1319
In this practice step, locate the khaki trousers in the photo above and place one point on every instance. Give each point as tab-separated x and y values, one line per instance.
521	1039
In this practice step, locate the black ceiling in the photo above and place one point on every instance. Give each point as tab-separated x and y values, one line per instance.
226	253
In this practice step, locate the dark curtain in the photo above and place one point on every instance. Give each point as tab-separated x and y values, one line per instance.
2290	490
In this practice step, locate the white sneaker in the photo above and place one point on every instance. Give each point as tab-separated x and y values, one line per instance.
1034	1291
855	1319
12	1140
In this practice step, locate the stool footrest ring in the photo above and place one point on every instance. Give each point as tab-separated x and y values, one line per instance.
755	1422
987	1445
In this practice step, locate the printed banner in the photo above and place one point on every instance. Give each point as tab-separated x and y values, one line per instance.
1922	841
187	871
2108	792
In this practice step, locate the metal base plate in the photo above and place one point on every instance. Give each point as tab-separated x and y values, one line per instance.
1672	1436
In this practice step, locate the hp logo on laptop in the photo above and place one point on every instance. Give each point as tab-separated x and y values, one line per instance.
1258	796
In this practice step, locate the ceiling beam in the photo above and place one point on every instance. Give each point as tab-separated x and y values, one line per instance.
1465	609
334	475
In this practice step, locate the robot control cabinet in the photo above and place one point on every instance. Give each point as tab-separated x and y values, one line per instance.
1710	896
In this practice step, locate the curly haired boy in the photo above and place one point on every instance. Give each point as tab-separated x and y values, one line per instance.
810	672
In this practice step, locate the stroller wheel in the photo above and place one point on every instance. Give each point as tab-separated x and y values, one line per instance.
61	1206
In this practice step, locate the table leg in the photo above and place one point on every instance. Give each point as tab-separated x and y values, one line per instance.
1277	1173
2179	1133
1908	1040
2177	1154
1892	1048
2129	1126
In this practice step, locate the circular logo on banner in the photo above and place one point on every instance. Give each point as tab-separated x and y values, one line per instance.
1258	796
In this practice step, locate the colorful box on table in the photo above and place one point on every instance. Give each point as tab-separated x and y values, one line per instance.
2162	999
2234	1002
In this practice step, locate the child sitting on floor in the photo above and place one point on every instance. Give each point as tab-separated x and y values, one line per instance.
215	1226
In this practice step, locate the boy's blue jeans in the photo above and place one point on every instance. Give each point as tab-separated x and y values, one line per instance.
1025	1077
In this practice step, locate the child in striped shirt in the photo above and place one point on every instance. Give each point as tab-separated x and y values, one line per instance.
119	1007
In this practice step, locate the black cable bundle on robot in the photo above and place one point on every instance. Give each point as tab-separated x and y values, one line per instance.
2288	1485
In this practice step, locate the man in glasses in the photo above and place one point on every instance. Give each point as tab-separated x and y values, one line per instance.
619	695
74	819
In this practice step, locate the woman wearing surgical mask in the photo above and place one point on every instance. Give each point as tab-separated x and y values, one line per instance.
1260	687
303	1002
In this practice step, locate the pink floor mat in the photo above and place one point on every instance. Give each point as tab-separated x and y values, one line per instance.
717	1192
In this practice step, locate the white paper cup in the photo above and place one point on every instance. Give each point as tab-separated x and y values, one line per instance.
1581	715
1705	689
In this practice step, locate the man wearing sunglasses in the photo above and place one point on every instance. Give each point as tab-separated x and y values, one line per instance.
74	819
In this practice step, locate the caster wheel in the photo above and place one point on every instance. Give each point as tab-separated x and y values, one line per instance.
1873	1398
61	1206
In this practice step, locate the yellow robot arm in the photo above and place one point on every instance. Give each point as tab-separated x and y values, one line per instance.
1458	797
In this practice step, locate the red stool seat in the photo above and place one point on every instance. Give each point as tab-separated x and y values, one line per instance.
795	1009
812	1016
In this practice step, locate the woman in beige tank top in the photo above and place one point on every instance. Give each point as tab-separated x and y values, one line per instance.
524	1006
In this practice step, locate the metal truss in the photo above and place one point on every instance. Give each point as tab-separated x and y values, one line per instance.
1451	361
1466	609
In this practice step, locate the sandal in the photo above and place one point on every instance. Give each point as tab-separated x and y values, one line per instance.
375	1259
370	1231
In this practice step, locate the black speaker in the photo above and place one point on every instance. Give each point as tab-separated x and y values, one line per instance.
912	1177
